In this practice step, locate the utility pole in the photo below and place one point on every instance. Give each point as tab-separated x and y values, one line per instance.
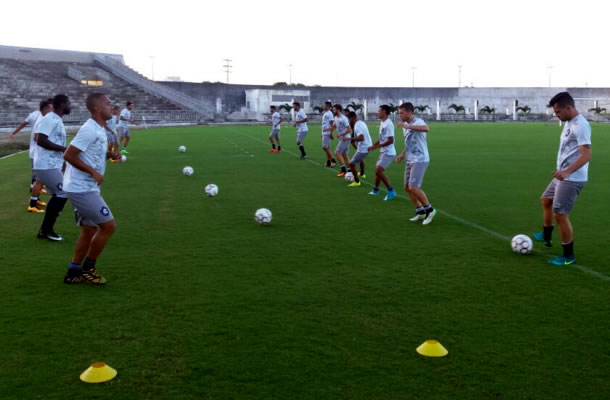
413	76
227	66
550	69
290	72
459	76
152	66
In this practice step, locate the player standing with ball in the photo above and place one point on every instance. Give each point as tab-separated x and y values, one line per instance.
569	178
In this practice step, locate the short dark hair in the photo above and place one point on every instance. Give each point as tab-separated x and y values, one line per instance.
328	103
93	99
116	108
352	114
272	107
385	108
44	104
338	107
562	99
60	100
296	103
408	106
129	103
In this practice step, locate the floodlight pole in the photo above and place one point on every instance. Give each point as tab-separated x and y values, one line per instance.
152	66
550	69
290	74
413	76
227	66
459	76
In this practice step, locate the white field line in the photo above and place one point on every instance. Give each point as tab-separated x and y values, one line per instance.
463	221
13	154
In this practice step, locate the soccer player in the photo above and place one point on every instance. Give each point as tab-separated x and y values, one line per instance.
49	161
569	178
46	107
86	164
124	121
344	130
276	120
111	132
363	141
417	161
300	122
327	133
388	152
31	120
347	111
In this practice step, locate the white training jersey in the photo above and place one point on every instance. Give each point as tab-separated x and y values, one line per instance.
327	118
92	143
31	120
34	146
275	120
127	115
342	123
360	128
302	127
111	124
416	143
576	133
386	129
52	126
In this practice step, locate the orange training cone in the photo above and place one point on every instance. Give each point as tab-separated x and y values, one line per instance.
432	348
97	373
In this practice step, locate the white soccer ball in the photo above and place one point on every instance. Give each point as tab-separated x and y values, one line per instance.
188	171
182	149
522	244
349	177
211	190
262	216
123	158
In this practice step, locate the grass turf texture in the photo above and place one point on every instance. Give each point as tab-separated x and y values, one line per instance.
331	299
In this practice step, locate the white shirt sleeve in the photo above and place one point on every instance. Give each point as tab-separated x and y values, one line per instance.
83	139
46	126
584	134
390	128
31	119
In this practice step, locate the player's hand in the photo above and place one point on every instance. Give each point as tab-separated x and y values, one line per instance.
561	175
98	178
371	149
400	158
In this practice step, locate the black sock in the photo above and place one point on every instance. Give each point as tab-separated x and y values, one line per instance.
88	265
428	209
420	210
343	169
390	188
302	148
33	201
55	206
279	147
548	233
568	249
273	146
356	179
328	163
334	161
361	172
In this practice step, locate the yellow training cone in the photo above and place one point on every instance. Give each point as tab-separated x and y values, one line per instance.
98	373
432	348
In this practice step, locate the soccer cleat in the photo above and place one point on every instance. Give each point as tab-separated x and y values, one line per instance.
341	174
40	203
91	276
115	161
333	164
278	151
391	194
561	260
52	236
429	218
362	176
374	192
72	279
35	210
539	237
124	151
418	217
354	184
271	151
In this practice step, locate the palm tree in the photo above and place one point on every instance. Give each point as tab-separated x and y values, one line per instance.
355	106
393	110
421	109
524	110
287	107
318	109
488	110
597	110
457	108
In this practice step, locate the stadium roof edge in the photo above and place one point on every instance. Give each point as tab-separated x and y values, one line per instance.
39	54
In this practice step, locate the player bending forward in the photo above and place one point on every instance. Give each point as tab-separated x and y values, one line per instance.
86	158
362	140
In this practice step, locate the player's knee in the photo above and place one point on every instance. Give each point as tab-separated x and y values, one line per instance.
108	227
546	202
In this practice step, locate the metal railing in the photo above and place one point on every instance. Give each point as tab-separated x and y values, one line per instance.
172	95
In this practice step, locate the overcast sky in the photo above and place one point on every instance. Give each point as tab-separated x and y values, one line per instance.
359	43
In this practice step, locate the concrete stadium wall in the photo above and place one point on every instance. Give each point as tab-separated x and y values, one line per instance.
34	54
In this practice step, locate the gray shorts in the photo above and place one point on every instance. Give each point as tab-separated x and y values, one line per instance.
112	139
385	160
90	209
342	147
358	157
275	133
326	141
301	136
124	131
53	180
563	194
414	173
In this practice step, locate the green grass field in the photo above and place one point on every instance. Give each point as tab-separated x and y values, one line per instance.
331	299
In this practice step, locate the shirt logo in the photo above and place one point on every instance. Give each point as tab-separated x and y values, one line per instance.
60	186
105	211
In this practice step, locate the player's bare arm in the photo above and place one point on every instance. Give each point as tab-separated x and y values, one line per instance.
585	157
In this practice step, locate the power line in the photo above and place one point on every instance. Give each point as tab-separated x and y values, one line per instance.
227	67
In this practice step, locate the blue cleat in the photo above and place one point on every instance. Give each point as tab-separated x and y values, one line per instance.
539	237
374	192
561	260
391	194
